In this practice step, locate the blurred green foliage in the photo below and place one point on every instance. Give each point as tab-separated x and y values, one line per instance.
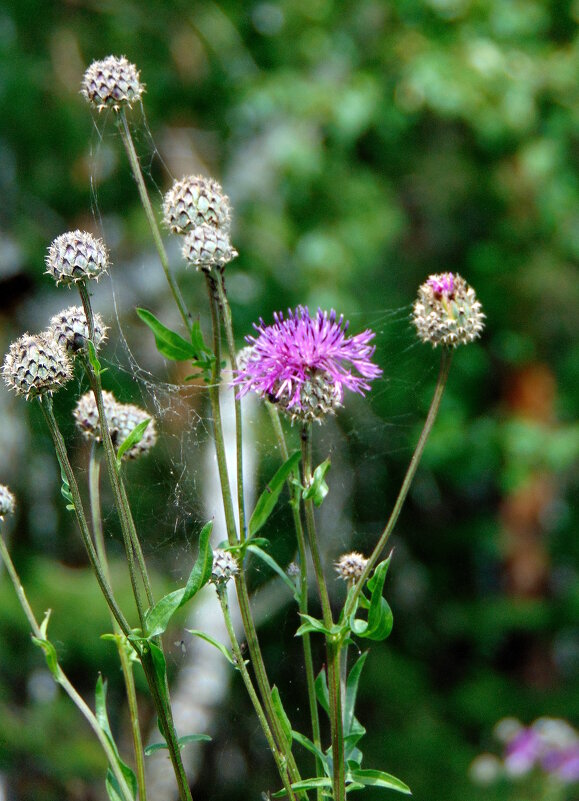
364	144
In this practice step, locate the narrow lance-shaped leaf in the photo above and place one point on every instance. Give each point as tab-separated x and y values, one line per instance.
379	623
270	561
280	714
377	778
169	343
318	489
352	691
103	721
212	641
132	439
268	498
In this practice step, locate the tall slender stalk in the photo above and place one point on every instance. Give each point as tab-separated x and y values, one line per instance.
63	679
126	665
332	647
445	362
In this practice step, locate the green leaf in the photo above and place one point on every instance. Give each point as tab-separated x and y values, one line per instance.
65	489
306	743
318	489
269	497
312	624
183	741
351	692
377	778
169	344
132	439
158	616
159	663
270	562
103	721
93	359
202	352
322	692
283	719
306	784
380	620
219	645
50	656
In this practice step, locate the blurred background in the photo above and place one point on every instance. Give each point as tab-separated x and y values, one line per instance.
364	145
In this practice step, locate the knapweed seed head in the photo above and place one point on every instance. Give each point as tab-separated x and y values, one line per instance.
305	363
194	201
224	567
122	418
350	566
7	502
447	311
76	256
111	83
206	248
36	365
70	329
86	415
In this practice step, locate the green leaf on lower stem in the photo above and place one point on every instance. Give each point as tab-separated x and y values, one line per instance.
183	741
322	692
282	718
306	784
50	656
311	624
270	562
269	497
318	489
219	645
352	683
378	778
103	721
380	620
306	743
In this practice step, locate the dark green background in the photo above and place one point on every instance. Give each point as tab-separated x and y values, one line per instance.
364	145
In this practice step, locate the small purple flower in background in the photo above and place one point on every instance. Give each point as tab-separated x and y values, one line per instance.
304	363
523	752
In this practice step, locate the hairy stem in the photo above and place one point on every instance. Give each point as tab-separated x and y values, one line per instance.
333	646
125	132
445	362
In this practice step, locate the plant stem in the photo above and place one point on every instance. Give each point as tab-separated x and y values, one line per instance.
240	663
445	362
62	678
150	214
233	539
295	499
45	403
228	325
333	646
121	642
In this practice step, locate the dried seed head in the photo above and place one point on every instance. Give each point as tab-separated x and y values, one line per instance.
224	566
35	365
126	417
70	329
7	502
447	311
76	256
207	247
318	397
194	201
350	566
112	83
87	417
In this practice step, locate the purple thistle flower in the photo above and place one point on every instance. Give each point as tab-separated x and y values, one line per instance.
442	284
304	363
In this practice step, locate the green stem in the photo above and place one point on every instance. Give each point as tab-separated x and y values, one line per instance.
333	647
445	362
278	756
295	498
62	678
150	214
233	539
126	664
45	403
225	310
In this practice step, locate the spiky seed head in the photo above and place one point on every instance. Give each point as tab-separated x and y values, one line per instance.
447	311
194	201
86	415
76	256
7	502
318	398
36	365
126	417
207	247
111	83
70	329
224	566
350	566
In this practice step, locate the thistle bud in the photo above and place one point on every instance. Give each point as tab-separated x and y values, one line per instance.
447	311
207	247
70	329
224	567
76	256
112	83
7	502
194	201
350	566
36	365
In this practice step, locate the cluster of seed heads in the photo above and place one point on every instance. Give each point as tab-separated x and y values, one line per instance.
350	566
112	83
76	256
447	311
7	502
122	419
197	208
224	566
